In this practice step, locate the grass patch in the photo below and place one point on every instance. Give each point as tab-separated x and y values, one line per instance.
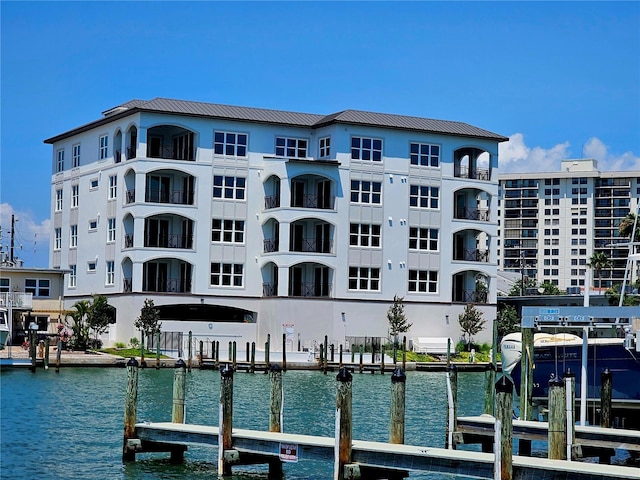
130	352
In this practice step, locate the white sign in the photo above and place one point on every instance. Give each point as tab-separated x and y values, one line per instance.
288	452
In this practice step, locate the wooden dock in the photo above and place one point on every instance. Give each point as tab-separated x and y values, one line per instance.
370	456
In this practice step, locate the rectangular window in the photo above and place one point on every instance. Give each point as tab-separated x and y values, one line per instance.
423	197
104	146
291	147
425	155
5	285
423	281
38	287
73	236
111	273
364	191
227	231
93	183
230	144
59	160
59	200
75	196
76	155
226	274
91	267
363	148
423	239
325	147
364	278
111	230
93	224
364	235
73	276
228	187
113	186
58	239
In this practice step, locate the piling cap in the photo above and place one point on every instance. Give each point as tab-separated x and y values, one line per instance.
274	367
569	374
344	375
180	364
504	385
555	381
453	368
132	362
226	371
606	373
398	375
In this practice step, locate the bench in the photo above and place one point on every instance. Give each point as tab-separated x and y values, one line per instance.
431	345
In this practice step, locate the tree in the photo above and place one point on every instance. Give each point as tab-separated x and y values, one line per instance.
626	226
613	296
599	261
79	326
471	323
99	315
520	286
397	318
549	288
148	321
508	320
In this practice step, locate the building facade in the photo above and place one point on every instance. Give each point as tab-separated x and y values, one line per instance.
241	222
551	223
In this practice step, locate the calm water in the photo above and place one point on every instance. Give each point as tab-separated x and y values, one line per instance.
69	425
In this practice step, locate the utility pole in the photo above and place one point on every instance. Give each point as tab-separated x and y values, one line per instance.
13	236
521	273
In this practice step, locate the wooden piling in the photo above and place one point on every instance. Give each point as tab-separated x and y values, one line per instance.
557	434
201	354
158	350
504	409
179	382
284	352
332	349
404	352
570	391
190	353
340	356
225	441
46	353
452	402
396	427
489	389
526	375
253	357
217	349
230	352
343	422
267	348
33	337
234	355
361	363
213	352
382	350
130	410
322	366
275	417
353	353
606	384
448	352
247	352
58	355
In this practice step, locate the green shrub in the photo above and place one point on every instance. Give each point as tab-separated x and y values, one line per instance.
120	345
134	342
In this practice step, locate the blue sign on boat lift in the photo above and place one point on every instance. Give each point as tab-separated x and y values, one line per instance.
596	317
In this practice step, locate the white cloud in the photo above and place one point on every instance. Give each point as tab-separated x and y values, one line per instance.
515	156
31	240
595	148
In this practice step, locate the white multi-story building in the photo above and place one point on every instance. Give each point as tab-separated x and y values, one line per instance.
551	223
243	222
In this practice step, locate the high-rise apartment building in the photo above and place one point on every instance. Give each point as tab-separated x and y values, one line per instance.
241	222
551	223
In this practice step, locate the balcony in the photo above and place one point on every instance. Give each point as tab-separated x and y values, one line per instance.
271	201
171	143
474	296
127	285
131	153
270	245
16	300
174	197
269	289
481	215
177	240
474	174
312	245
310	290
130	196
128	240
472	255
313	201
169	285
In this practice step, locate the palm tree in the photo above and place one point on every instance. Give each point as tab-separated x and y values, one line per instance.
626	226
598	261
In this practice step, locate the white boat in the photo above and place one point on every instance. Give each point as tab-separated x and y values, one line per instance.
4	327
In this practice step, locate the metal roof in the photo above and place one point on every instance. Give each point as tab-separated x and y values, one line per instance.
280	117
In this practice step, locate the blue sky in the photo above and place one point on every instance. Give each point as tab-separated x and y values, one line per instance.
561	80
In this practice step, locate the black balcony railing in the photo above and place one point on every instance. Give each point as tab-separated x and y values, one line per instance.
175	197
130	196
128	240
127	285
271	201
311	245
472	255
310	290
325	202
168	152
481	215
270	245
170	285
117	156
131	153
176	240
476	173
269	289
